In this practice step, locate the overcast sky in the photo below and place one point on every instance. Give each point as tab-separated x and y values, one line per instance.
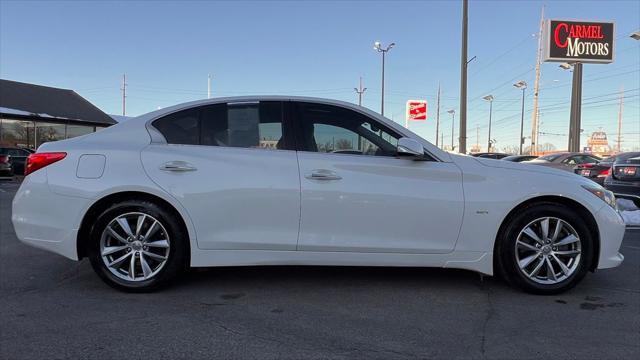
320	49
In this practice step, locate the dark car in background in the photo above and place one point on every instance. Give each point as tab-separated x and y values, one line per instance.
519	158
565	160
6	168
18	157
600	170
624	180
487	155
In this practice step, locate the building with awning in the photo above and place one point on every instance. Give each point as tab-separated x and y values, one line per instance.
33	114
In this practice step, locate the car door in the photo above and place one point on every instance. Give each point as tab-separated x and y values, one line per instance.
357	196
233	168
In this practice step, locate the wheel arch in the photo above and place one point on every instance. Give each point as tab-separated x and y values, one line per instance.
106	201
554	199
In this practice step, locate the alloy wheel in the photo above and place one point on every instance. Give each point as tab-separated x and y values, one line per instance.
548	250
134	246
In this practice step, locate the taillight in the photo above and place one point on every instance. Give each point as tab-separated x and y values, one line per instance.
39	160
605	173
4	159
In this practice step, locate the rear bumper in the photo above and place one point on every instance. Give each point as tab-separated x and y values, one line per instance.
6	170
612	229
47	220
623	188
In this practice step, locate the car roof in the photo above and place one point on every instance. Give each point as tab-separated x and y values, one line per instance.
147	118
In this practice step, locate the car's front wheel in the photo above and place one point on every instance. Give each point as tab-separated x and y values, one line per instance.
137	246
545	249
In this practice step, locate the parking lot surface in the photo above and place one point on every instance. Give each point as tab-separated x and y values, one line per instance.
54	308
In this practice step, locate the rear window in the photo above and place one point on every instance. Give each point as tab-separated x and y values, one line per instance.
629	158
182	127
549	157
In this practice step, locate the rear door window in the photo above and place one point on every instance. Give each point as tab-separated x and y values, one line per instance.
247	125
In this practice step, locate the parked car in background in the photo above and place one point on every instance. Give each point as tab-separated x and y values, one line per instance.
18	157
624	180
519	158
279	180
6	167
489	155
564	160
600	170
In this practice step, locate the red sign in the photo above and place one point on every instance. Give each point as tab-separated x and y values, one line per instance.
417	110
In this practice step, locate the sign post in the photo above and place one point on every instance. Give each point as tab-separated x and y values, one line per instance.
578	42
416	110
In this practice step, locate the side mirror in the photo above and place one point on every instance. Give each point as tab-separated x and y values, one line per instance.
410	147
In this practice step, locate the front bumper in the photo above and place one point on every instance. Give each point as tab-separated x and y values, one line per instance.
612	229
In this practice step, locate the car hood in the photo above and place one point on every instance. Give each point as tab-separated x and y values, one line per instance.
525	167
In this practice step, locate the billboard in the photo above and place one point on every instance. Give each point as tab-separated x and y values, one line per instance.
578	41
416	110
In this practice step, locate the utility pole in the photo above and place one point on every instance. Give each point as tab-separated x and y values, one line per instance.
442	139
438	115
209	86
620	119
463	79
536	88
360	90
124	94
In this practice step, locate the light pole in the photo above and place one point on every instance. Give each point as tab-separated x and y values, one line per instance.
379	48
522	85
489	98
462	147
360	90
453	121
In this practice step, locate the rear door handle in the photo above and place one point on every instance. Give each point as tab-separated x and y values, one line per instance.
177	166
323	174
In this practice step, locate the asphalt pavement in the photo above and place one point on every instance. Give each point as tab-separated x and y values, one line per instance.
54	308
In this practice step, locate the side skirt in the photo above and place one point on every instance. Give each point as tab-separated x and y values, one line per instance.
481	262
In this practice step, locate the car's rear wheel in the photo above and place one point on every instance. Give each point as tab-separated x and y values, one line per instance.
137	246
545	249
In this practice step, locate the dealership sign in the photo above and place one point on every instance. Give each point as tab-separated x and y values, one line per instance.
579	41
417	110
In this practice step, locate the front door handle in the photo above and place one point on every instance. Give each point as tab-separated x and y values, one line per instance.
322	174
177	166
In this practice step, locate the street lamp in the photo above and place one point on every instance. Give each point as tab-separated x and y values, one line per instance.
635	35
489	98
453	120
522	85
381	49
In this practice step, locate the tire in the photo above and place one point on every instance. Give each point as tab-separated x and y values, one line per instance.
159	241
511	253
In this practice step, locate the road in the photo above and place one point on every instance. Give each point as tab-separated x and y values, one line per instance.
54	308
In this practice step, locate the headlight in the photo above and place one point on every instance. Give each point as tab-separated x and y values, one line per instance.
604	194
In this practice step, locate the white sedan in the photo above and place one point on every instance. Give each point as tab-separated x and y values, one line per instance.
303	181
